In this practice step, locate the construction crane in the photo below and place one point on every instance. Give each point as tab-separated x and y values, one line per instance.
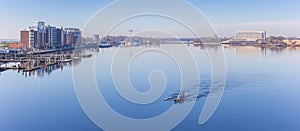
131	31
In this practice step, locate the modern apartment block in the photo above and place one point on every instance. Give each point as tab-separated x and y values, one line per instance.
61	37
51	36
32	37
73	36
41	36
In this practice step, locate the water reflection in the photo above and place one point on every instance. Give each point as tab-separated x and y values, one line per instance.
262	92
263	52
49	69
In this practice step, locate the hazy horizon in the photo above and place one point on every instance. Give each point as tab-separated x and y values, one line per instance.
227	18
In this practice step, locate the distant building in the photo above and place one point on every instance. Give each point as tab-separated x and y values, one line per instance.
251	35
96	38
247	38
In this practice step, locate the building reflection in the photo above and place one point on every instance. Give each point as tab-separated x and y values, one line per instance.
47	70
293	48
261	52
250	51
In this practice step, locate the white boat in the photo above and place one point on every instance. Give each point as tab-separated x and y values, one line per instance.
105	44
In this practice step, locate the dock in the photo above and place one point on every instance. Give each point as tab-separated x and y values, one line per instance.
29	63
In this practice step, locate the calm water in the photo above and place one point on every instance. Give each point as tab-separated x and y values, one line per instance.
262	92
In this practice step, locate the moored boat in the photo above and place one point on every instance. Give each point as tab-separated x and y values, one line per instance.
105	44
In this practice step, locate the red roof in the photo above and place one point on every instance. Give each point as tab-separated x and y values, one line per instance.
15	45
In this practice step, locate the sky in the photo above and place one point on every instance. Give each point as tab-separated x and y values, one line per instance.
280	17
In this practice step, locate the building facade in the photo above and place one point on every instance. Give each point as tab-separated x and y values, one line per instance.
61	37
32	38
25	38
51	37
73	36
41	35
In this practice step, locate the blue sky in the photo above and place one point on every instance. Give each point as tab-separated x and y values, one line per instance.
280	17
